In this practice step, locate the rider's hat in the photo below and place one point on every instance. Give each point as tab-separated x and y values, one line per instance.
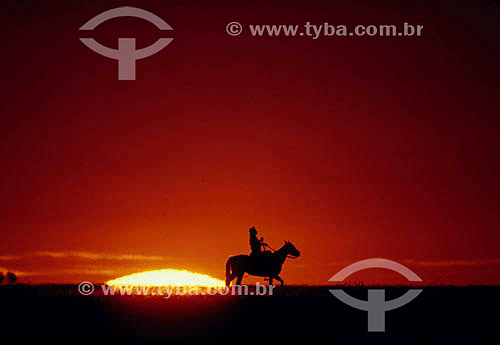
253	230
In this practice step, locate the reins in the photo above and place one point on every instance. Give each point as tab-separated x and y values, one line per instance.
288	256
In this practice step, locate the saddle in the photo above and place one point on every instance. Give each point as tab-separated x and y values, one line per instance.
262	258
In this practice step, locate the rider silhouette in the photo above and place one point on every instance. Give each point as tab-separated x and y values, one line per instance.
256	244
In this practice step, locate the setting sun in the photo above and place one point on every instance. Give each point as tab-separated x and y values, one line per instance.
167	277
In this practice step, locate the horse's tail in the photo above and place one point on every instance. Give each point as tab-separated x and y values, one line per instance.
229	275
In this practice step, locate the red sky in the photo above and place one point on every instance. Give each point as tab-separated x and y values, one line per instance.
350	147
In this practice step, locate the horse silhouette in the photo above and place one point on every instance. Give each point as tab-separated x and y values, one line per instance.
265	265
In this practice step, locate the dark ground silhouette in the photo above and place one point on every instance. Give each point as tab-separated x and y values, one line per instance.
440	315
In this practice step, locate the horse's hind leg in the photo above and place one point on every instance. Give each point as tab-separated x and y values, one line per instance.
240	278
229	279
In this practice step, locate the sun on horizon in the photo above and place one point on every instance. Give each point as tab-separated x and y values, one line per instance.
168	277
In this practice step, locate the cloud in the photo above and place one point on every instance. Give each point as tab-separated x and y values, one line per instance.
86	256
434	263
454	263
10	257
65	266
17	272
93	271
101	256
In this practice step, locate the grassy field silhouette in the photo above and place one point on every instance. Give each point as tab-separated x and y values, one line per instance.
444	314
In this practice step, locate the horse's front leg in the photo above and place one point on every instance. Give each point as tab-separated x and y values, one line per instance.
271	280
240	278
278	278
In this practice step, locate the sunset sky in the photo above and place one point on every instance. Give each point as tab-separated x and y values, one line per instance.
350	147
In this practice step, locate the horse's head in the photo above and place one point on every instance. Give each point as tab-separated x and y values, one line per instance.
291	250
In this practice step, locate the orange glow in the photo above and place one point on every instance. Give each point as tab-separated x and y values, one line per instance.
167	277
